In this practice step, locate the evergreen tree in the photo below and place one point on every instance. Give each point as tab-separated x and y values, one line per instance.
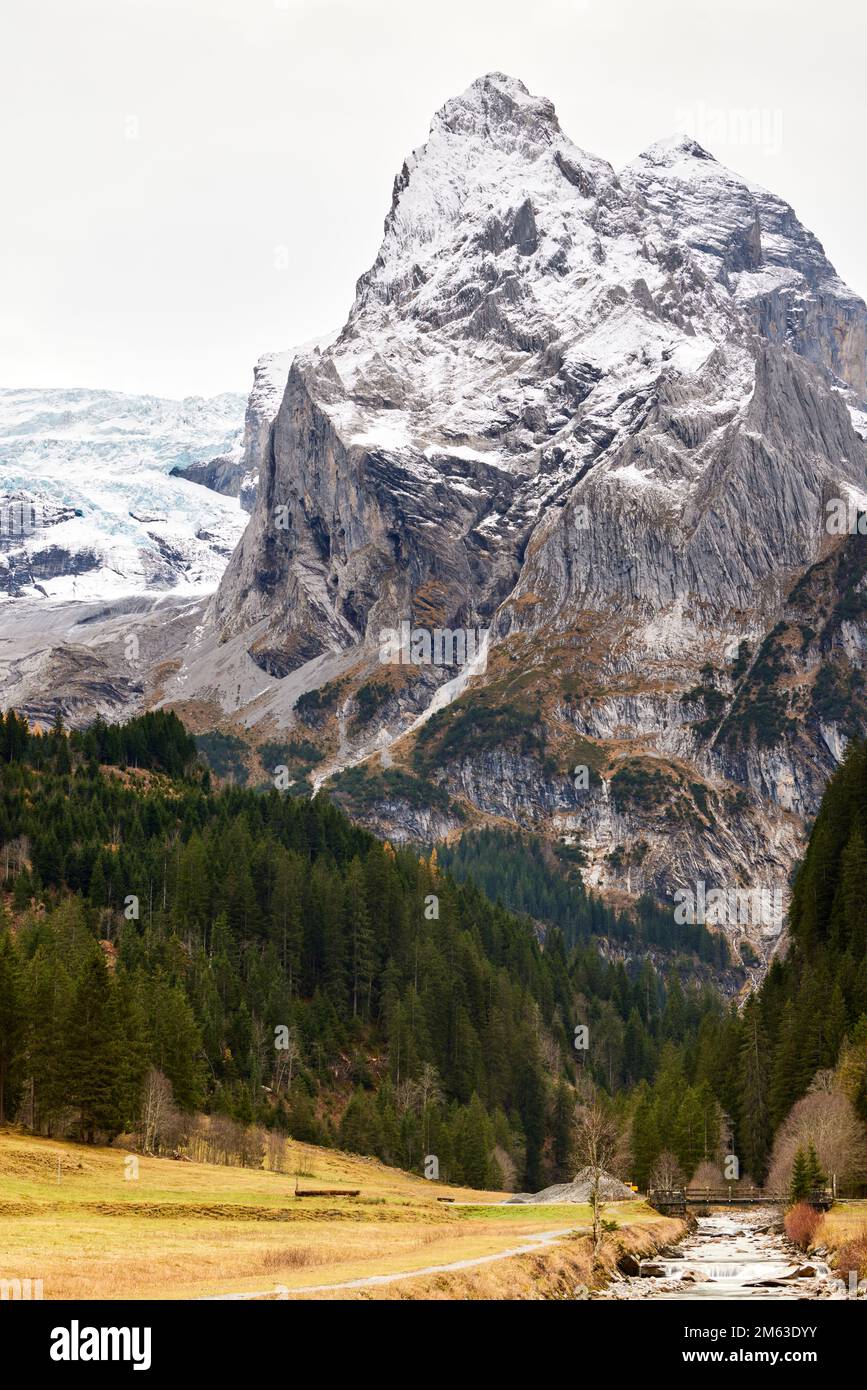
12	1027
786	1078
563	1134
755	1122
360	938
816	1177
646	1143
49	1004
94	1061
474	1145
175	1041
258	909
799	1187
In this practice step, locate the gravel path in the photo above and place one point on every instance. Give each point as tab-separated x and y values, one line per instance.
538	1241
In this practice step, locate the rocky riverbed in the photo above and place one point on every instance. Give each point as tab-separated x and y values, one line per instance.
730	1255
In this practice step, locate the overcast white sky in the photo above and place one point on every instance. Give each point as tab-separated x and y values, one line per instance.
164	160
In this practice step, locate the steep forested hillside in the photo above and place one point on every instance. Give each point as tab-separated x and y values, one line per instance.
278	964
793	1060
528	875
817	997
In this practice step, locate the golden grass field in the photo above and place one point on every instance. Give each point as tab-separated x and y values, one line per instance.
845	1227
186	1230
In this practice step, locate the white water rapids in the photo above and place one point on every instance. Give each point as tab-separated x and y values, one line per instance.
732	1255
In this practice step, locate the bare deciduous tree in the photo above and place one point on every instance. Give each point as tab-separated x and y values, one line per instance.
156	1104
276	1152
251	1146
665	1175
406	1096
429	1093
596	1145
708	1177
823	1082
508	1169
286	1060
828	1120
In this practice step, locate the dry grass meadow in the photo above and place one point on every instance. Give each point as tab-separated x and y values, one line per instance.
70	1217
844	1231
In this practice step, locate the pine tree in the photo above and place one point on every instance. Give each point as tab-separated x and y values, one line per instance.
816	1177
131	1031
690	1131
668	1092
98	891
563	1134
94	1061
635	1050
755	1125
361	1126
329	902
646	1142
286	912
175	1041
674	1017
853	896
834	1023
62	760
799	1187
49	1002
12	1026
530	1098
360	938
475	1145
786	1079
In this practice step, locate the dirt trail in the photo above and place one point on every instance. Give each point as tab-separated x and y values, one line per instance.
538	1241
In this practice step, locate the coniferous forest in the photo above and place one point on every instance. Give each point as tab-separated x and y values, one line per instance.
283	968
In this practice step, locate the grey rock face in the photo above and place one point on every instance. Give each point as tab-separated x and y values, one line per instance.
470	392
226	474
751	241
751	514
83	663
22	566
236	474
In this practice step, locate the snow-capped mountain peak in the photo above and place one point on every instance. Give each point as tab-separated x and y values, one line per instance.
600	417
500	110
677	151
597	414
528	313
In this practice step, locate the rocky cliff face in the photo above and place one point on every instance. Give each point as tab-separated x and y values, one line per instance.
603	416
236	473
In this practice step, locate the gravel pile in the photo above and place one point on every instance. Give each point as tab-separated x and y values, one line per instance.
611	1189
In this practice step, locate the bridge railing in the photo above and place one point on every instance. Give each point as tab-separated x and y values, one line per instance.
728	1193
706	1196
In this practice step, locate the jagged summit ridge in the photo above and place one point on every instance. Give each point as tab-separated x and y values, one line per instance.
483	145
529	317
673	150
499	109
751	241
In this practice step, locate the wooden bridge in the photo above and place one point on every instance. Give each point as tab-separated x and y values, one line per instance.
676	1201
